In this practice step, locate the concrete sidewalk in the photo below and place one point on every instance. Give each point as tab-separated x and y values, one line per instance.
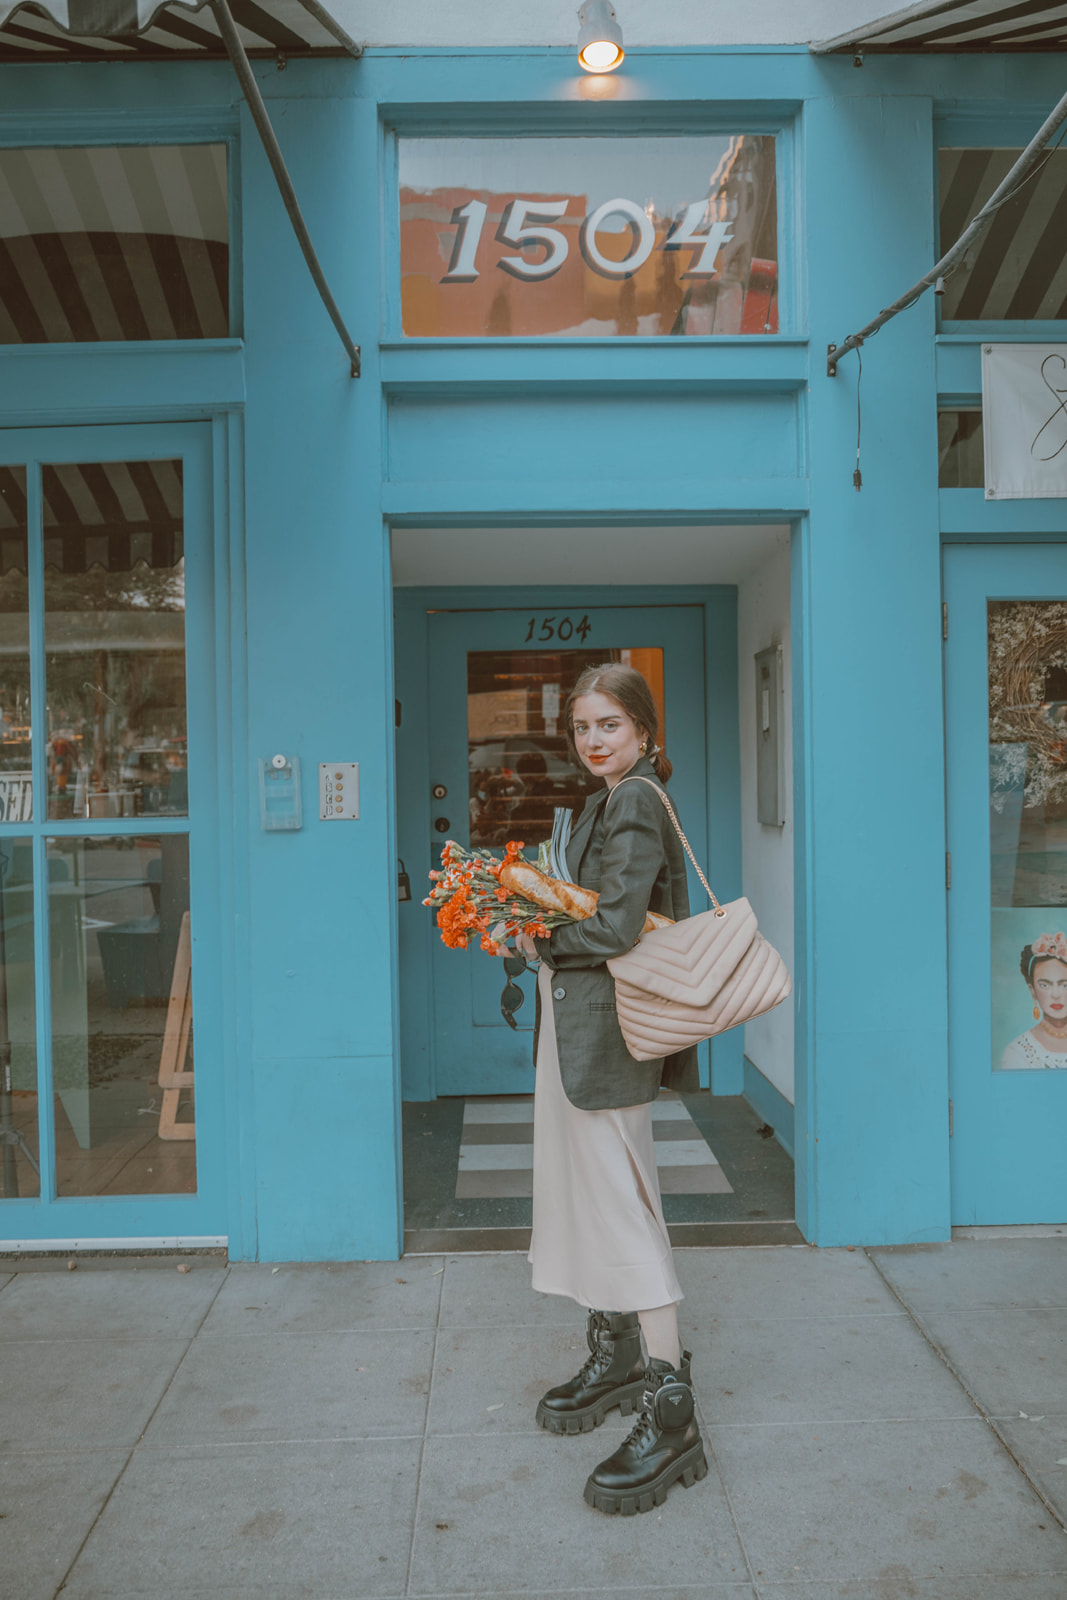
879	1425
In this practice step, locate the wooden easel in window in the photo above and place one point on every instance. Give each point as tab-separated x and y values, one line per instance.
173	1077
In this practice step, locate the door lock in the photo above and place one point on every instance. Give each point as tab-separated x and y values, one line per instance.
439	791
442	824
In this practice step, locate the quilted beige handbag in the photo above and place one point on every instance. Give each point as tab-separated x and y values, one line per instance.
695	978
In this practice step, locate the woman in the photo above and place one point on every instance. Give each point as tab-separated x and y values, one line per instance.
598	1231
1044	967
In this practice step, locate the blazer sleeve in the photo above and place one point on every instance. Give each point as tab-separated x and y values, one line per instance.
632	855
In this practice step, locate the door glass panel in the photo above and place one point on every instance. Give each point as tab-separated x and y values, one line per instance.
114	589
1017	269
1028	831
16	786
114	242
18	1030
589	237
520	768
122	1015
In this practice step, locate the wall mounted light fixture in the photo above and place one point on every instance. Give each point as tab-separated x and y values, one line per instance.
599	37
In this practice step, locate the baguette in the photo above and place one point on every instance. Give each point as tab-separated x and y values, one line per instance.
556	894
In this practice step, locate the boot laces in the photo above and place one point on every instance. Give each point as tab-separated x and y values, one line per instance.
598	1357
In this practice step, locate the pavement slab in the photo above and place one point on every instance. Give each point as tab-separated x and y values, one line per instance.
494	1291
840	1368
885	1502
298	1386
117	1304
48	1503
62	1393
977	1274
337	1297
777	1283
1034	1586
495	1511
485	1383
279	1522
1011	1361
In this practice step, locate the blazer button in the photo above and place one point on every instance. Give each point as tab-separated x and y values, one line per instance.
559	994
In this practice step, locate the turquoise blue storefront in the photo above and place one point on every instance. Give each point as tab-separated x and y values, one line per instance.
327	563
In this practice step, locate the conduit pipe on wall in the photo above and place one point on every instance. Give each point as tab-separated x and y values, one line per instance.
951	260
245	76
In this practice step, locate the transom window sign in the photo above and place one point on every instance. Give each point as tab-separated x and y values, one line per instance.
588	237
114	243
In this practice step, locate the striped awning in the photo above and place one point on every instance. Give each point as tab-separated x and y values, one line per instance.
956	25
115	515
137	30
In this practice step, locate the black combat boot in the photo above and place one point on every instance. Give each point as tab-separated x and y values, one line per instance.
613	1376
663	1447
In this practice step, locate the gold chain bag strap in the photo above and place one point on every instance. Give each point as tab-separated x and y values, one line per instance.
695	978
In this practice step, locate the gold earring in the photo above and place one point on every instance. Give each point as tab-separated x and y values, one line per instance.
1037	1012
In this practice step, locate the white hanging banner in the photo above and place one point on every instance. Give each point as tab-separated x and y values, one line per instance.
1024	421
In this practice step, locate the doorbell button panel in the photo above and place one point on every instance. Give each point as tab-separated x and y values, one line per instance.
279	794
339	791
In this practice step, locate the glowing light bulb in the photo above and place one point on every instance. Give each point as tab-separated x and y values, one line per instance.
599	37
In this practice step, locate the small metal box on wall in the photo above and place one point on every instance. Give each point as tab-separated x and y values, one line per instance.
770	765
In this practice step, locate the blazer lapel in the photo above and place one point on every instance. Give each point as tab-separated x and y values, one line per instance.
581	833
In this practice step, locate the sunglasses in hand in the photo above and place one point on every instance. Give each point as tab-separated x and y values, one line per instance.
512	997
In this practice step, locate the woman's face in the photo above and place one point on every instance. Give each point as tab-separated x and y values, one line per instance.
606	738
1048	985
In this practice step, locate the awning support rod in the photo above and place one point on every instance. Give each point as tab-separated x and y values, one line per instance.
951	260
332	26
245	76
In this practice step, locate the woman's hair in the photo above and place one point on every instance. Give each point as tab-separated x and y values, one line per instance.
1049	947
629	688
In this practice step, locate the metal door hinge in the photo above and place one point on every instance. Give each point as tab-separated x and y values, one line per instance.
948	869
397	712
950	1119
944	619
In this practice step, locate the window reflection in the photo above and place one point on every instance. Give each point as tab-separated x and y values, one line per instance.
19	1148
122	1045
1017	269
114	242
115	639
520	767
589	237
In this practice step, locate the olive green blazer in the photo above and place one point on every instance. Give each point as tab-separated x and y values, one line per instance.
629	852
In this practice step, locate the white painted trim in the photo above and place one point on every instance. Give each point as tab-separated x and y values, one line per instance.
31	1247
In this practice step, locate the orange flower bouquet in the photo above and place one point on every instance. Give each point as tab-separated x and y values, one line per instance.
476	891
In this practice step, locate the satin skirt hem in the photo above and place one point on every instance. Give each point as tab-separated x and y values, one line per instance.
599	1236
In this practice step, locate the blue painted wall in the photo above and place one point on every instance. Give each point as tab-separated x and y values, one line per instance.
308	461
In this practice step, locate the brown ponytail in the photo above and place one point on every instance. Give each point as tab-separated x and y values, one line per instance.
627	686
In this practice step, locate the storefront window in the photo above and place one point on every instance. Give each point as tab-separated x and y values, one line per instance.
960	458
114	242
20	1146
1028	831
114	591
520	767
588	237
122	1064
1017	270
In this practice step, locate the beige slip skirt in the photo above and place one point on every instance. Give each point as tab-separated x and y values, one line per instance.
598	1229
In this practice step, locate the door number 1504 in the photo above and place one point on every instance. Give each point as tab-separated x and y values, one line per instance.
561	628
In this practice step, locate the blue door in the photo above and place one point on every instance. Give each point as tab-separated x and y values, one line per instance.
499	768
1006	716
111	1088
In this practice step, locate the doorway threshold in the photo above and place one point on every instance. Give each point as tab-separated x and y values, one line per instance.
468	1170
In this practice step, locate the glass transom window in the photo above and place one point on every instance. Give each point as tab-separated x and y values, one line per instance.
114	242
588	237
1017	270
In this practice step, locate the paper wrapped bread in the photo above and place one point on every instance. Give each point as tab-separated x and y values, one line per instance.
555	894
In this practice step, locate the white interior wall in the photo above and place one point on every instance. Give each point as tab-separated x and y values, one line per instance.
503	23
767	852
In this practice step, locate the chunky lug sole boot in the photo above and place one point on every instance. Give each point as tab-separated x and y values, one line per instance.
663	1447
613	1375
